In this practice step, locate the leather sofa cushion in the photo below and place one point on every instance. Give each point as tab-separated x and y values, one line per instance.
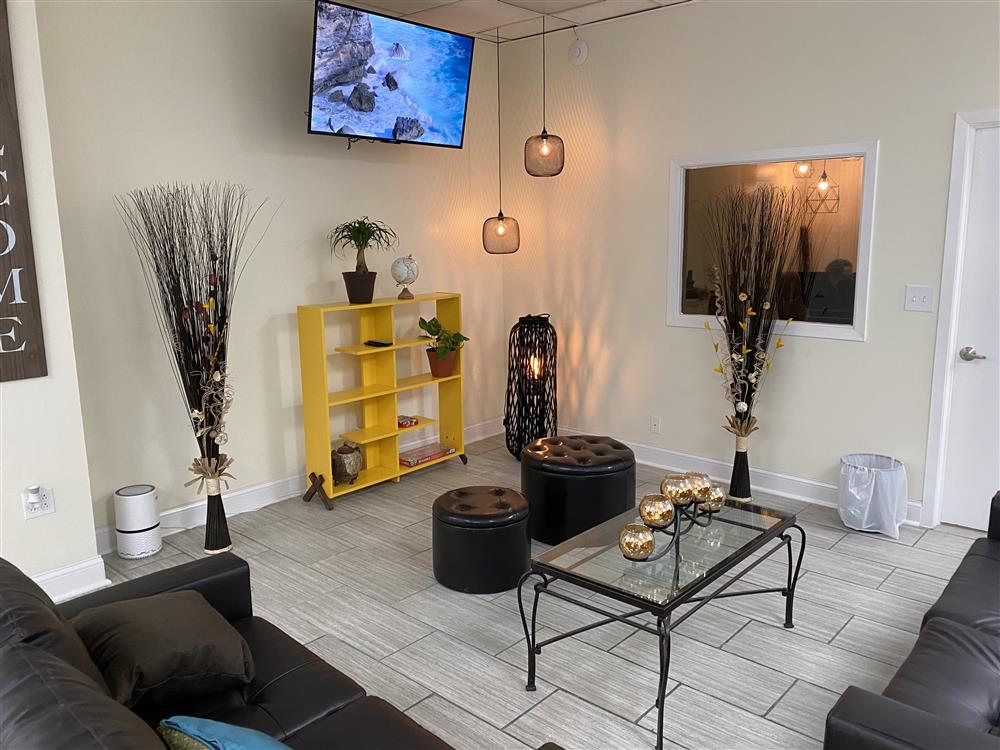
578	454
986	548
28	615
46	703
166	645
292	687
367	724
972	596
953	672
478	507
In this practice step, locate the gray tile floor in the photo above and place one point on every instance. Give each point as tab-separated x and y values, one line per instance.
355	584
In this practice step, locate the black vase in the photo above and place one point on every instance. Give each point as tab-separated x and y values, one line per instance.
739	484
360	286
216	529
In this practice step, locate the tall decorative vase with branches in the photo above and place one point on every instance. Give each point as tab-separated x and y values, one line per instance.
190	239
752	233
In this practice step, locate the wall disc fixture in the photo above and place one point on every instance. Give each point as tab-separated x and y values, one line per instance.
578	52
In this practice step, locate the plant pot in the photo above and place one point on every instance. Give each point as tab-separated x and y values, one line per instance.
360	286
441	367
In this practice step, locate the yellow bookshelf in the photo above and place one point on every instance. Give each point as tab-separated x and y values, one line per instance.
378	434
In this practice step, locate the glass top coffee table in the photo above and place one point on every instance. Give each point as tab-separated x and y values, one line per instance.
706	556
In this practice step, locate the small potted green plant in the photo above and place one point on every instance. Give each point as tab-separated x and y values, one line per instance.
441	353
361	234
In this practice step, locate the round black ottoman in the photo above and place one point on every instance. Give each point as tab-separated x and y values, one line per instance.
574	483
480	539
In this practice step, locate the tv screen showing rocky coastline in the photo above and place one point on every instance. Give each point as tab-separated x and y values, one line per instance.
384	78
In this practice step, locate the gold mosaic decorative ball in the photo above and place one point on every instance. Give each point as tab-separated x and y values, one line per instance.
636	542
701	483
656	511
712	501
677	488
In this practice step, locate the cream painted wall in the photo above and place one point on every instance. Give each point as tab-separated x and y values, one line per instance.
724	76
148	92
41	428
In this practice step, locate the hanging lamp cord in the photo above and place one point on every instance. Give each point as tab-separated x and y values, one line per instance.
543	74
499	133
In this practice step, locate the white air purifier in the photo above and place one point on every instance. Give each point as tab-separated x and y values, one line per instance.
137	522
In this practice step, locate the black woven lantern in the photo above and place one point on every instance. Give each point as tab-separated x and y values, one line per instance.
530	408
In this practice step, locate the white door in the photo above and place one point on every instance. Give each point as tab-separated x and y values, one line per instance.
971	449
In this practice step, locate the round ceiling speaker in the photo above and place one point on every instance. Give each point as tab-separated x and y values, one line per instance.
578	52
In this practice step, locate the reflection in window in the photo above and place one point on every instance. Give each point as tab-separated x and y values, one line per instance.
819	284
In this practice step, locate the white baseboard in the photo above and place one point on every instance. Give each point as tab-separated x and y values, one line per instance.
73	580
238	501
254	497
770	482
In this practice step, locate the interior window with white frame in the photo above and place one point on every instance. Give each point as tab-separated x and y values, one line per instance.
824	285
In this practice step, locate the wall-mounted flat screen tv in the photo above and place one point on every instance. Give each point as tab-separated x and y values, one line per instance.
382	78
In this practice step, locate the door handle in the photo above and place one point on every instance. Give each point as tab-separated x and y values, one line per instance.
968	354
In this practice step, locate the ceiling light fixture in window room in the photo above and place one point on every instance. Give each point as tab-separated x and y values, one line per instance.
544	154
802	169
824	196
501	234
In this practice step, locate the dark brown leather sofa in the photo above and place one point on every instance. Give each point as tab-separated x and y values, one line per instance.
295	696
946	695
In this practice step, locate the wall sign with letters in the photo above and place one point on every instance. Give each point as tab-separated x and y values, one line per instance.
22	350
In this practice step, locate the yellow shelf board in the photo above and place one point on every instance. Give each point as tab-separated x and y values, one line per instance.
403	470
366	478
381	302
383	431
423	379
338	398
412	382
360	350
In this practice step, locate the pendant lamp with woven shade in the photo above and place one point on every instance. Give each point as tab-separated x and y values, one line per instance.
501	234
544	154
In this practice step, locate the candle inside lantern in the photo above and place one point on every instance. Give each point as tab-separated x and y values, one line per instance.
536	366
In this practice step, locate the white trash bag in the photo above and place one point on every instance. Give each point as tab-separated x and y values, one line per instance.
871	493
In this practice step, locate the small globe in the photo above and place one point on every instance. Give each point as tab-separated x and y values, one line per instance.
404	270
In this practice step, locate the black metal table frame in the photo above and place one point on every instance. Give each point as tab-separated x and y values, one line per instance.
665	623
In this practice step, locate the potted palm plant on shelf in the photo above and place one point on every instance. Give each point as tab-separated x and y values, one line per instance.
442	351
361	234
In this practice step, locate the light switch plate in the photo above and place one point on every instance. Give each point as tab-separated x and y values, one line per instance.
919	298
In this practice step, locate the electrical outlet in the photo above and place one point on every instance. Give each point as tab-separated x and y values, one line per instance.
38	501
654	424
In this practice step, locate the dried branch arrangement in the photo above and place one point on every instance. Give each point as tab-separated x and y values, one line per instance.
190	240
753	234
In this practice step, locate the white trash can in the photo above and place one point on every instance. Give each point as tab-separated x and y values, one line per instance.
137	521
871	493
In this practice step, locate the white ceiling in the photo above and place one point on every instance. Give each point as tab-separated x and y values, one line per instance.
516	19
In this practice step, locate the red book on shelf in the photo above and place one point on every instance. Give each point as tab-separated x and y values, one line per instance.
424	454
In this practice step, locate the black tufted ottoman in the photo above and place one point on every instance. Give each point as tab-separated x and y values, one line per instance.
574	483
480	539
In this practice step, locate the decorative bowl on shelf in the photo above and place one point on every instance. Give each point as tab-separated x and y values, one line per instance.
347	462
